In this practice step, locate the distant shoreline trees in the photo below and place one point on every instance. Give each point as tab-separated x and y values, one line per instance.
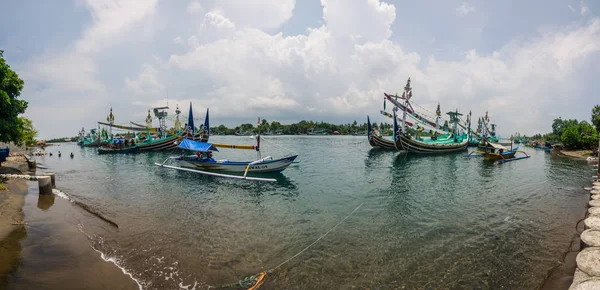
300	128
574	134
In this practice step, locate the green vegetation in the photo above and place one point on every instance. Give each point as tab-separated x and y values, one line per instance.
302	127
596	117
574	134
12	127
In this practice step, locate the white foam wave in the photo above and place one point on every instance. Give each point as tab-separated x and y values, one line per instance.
61	194
116	262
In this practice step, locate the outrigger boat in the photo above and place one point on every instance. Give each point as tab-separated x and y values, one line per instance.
203	162
483	132
162	141
376	140
496	152
443	138
118	146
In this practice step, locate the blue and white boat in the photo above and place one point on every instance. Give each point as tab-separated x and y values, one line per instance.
203	162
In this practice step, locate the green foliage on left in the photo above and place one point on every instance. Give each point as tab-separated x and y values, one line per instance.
12	127
596	117
28	132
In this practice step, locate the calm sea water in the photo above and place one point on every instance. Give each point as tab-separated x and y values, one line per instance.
425	221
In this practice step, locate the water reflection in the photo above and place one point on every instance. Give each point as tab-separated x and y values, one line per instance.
45	201
10	251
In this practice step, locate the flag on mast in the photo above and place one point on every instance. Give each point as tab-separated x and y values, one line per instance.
191	120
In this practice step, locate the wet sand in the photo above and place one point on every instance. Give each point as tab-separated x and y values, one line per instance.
52	251
583	154
11	202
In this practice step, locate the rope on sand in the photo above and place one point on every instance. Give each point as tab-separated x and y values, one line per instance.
255	281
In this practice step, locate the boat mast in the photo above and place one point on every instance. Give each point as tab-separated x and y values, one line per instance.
111	120
177	126
405	97
148	125
438	114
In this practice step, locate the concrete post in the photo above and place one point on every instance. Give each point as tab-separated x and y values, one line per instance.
51	174
45	184
31	165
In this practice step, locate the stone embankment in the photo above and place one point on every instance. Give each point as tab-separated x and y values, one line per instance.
587	274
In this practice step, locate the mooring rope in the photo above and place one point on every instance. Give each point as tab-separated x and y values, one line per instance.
254	281
278	146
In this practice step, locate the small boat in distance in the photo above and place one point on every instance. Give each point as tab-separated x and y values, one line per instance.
496	152
203	162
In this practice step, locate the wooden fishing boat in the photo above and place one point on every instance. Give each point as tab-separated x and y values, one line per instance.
377	140
204	163
118	146
491	151
443	139
164	141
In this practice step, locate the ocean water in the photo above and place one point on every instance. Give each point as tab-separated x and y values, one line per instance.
430	222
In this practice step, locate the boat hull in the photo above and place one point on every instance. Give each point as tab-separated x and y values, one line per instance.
102	150
496	156
276	165
379	142
169	143
95	143
415	146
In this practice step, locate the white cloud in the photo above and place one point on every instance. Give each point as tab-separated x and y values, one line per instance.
584	8
464	9
178	40
71	78
111	19
215	26
326	69
147	82
571	8
194	7
368	20
193	41
66	72
239	65
261	14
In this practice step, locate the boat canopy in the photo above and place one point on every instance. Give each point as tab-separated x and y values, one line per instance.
495	146
197	146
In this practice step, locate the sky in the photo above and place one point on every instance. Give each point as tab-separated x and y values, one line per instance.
526	62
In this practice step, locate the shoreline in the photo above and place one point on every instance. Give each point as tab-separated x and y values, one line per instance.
579	154
11	205
48	251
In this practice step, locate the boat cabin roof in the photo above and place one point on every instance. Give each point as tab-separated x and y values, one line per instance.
197	146
495	146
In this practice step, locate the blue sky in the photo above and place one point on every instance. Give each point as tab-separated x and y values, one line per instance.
526	62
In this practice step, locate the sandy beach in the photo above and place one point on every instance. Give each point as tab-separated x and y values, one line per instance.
583	154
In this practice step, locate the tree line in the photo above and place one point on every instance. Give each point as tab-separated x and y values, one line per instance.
302	127
573	134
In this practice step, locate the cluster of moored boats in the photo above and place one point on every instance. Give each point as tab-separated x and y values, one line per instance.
419	133
196	152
